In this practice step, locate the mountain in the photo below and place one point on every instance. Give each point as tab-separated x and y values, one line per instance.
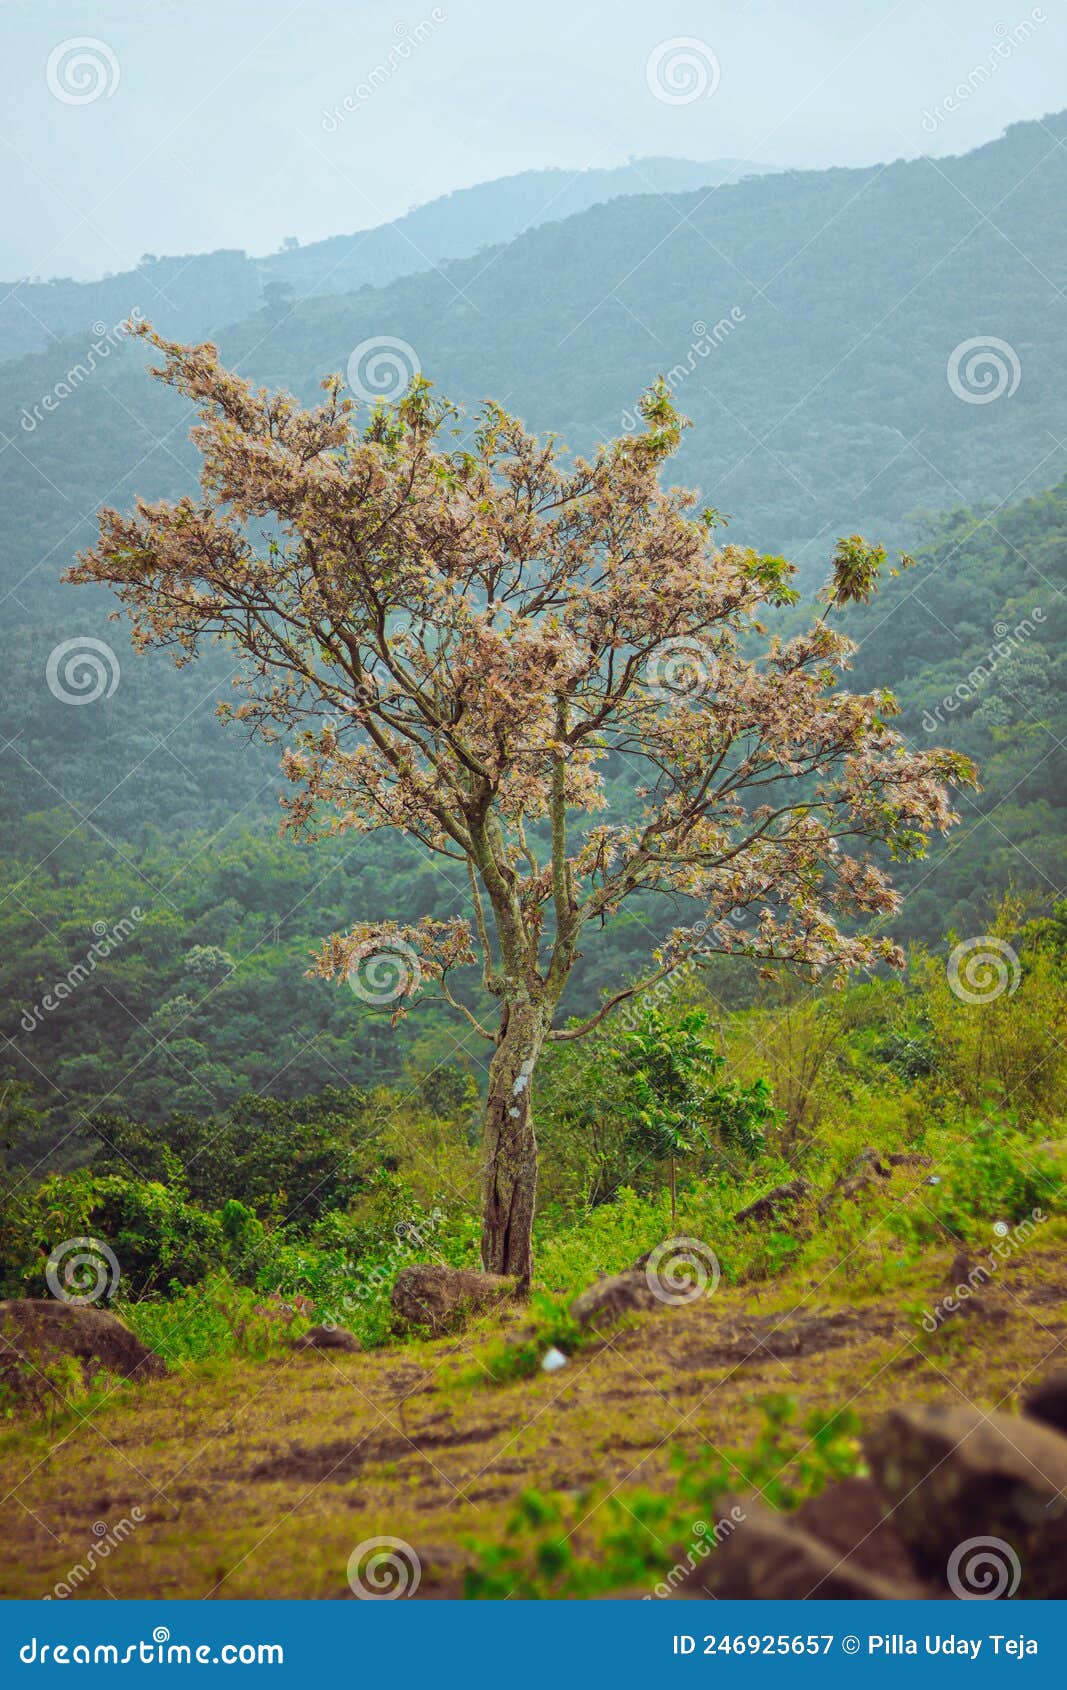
191	296
832	388
204	923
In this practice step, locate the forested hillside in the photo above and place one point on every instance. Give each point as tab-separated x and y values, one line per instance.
824	407
972	640
192	295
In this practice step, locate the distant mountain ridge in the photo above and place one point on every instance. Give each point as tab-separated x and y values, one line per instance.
191	296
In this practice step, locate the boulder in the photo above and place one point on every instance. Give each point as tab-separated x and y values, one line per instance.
38	1333
608	1299
851	1518
770	1556
1047	1401
769	1206
326	1338
431	1294
969	1489
861	1174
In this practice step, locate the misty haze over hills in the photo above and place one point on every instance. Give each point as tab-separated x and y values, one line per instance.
193	295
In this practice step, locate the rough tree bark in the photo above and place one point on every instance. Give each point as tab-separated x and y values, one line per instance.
511	1143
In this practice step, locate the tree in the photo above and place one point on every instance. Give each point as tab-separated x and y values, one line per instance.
674	1099
467	640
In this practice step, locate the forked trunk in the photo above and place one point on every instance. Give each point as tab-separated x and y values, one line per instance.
511	1145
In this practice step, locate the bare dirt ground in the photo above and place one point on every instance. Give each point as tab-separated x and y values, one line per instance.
254	1479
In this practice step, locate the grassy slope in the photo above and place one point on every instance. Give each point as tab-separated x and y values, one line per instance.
258	1479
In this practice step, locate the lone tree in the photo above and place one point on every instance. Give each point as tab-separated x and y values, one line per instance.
461	641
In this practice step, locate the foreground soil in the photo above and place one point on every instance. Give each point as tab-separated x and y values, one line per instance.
256	1479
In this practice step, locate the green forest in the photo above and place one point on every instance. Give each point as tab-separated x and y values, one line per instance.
709	1121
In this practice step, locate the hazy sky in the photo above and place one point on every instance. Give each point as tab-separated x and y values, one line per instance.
154	125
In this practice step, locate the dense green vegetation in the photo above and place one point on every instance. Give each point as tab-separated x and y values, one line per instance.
227	1227
191	295
216	961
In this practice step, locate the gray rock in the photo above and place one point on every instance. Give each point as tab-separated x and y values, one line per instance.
771	1204
771	1556
954	1475
36	1333
1047	1401
327	1338
608	1299
442	1298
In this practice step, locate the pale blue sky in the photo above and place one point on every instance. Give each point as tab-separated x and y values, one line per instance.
213	131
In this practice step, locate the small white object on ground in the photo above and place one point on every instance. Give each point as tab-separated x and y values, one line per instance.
553	1360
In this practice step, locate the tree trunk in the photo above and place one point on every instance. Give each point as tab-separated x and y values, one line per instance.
511	1145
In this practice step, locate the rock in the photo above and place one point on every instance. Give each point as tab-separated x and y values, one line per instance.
766	1208
955	1475
326	1338
440	1297
861	1175
770	1556
608	1299
1047	1401
38	1333
850	1517
867	1162
909	1159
